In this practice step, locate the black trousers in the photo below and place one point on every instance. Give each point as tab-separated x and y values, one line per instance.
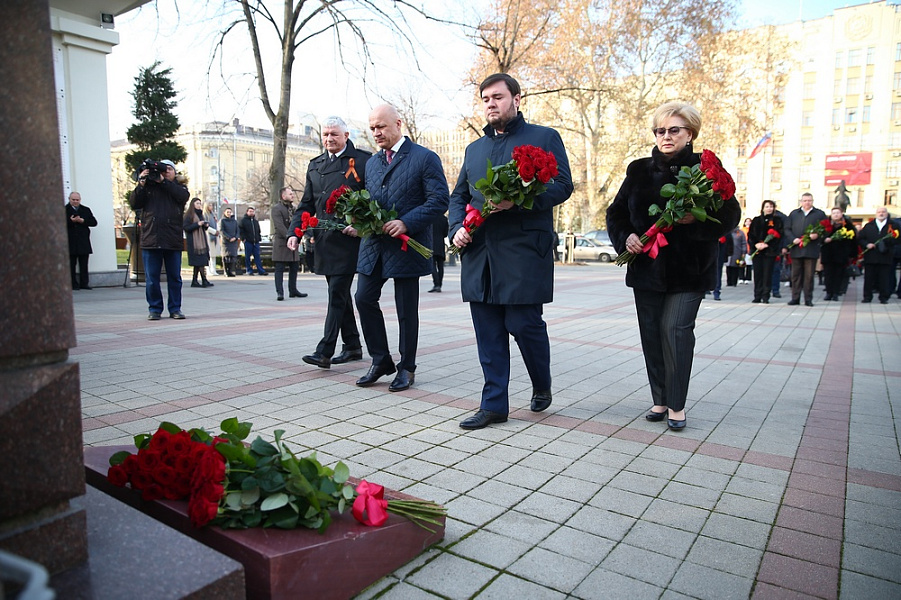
666	322
84	279
877	278
494	324
372	322
763	276
732	274
833	278
437	270
340	317
280	277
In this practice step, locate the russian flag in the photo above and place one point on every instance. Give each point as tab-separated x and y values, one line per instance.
764	141
224	200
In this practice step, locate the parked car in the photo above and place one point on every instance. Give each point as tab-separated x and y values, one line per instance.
599	235
588	249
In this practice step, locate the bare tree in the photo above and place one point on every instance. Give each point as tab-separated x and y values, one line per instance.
299	22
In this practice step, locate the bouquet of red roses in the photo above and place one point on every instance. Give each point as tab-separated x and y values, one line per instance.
699	190
235	485
368	217
308	221
522	179
820	228
771	234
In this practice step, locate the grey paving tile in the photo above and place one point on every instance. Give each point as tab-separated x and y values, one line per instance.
600	522
660	538
734	529
641	564
491	548
874	513
705	583
472	510
856	585
674	514
748	508
550	508
760	490
581	545
869	561
638	483
524	476
872	536
726	556
691	495
498	492
507	586
621	501
452	577
564	576
603	584
523	527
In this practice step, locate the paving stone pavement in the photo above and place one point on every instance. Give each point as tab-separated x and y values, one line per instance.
785	484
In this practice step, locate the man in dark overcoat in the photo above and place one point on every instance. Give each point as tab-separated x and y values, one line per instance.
79	220
877	258
409	179
251	236
804	258
336	250
283	255
508	263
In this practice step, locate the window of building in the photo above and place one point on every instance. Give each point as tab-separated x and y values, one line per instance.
806	145
807	118
810	88
893	169
776	175
868	84
214	171
250	156
854	56
860	192
741	176
896	81
865	114
839	59
898	51
853	85
837	87
895	140
849	143
896	111
804	173
742	151
871	55
836	116
850	115
214	152
891	198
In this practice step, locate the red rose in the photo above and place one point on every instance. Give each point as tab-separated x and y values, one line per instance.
153	491
773	233
117	475
160	439
314	222
164	475
332	202
201	512
298	232
130	464
148	459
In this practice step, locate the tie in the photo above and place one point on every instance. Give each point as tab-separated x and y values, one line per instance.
389	154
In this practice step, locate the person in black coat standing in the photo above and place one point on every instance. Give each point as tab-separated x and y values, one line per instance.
836	254
439	252
767	251
79	220
668	289
251	236
508	262
804	258
336	250
410	179
877	258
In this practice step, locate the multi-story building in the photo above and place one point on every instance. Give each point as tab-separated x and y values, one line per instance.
838	118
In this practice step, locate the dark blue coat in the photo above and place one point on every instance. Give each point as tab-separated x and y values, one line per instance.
511	257
415	186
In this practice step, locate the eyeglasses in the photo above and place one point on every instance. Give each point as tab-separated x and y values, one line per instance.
662	131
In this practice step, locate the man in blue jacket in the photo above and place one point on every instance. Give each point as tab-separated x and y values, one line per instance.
410	179
508	262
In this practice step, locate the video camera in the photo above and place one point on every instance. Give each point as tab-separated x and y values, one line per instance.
155	169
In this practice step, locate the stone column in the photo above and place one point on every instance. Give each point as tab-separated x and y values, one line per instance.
40	415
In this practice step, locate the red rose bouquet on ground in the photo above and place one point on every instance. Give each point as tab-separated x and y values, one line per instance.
520	181
367	217
771	234
235	485
820	228
699	190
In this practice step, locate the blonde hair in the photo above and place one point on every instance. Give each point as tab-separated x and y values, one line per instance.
685	111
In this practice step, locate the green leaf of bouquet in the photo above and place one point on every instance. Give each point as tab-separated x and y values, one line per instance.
250	497
233	500
170	427
119	457
263	448
250	482
271	480
283	518
274	501
342	472
229	425
694	189
142	440
699	213
342	504
348	492
326	521
668	190
236	453
654	210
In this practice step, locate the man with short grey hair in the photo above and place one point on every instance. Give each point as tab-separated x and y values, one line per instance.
804	256
79	220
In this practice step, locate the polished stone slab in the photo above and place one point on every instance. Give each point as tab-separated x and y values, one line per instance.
300	563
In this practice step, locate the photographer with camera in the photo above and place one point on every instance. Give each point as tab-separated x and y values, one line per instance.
161	202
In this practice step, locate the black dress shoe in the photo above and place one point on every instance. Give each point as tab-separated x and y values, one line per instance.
402	382
808	303
793	302
541	399
656	416
323	362
177	315
347	356
866	300
434	289
675	425
828	298
279	297
777	295
86	287
755	301
298	295
195	284
206	284
153	316
375	371
483	419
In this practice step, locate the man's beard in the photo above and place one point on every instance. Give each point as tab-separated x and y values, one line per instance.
500	122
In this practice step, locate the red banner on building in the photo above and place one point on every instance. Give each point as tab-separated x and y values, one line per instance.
854	168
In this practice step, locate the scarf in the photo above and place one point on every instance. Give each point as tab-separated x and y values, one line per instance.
197	236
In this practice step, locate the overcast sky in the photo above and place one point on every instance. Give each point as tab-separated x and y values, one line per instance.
183	40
